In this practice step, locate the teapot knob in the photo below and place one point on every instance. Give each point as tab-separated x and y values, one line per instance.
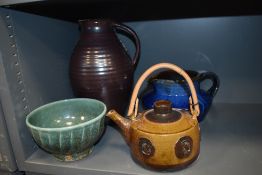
162	107
163	112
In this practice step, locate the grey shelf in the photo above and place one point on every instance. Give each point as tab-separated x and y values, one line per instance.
13	2
7	162
231	134
11	173
231	144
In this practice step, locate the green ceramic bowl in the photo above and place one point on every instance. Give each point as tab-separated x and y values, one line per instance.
68	129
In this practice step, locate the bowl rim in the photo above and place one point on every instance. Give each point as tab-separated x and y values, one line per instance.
102	114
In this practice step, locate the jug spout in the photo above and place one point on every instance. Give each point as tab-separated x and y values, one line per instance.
121	122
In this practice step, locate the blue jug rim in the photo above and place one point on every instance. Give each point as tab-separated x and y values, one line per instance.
172	77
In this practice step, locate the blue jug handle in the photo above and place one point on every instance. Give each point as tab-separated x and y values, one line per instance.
215	82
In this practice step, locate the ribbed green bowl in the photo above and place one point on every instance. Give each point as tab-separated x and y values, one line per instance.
68	129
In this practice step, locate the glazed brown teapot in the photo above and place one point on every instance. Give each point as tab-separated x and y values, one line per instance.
163	137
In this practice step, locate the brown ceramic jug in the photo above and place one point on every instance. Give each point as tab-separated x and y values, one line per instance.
100	67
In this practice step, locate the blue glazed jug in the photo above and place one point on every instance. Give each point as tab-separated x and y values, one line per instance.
168	85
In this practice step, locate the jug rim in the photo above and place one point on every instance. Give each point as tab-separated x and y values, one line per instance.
98	20
173	77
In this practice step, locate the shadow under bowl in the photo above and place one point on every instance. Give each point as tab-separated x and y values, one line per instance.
68	129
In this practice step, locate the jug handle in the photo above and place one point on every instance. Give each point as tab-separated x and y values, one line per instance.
215	82
135	37
193	101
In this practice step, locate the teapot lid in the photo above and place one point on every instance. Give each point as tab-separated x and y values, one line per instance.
163	119
163	112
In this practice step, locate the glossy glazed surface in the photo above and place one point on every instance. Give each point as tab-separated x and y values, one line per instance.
157	145
69	128
160	150
170	86
100	67
163	137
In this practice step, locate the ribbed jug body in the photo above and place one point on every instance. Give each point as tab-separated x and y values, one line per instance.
100	67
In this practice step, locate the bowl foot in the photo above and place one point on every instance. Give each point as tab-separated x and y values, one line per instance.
75	156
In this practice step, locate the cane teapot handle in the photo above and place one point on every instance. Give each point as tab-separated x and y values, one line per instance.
194	106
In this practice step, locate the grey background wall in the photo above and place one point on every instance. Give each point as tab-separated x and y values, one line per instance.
229	46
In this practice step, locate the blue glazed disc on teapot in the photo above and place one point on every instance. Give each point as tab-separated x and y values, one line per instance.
168	85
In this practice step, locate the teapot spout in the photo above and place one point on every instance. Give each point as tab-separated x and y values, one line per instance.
121	122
